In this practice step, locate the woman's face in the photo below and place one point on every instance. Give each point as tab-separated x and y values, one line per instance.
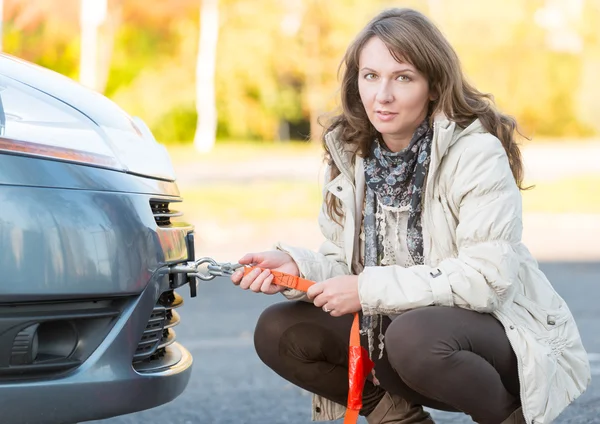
394	94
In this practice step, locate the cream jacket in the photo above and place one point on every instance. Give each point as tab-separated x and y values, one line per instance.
474	259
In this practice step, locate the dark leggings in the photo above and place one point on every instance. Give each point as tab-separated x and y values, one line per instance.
444	358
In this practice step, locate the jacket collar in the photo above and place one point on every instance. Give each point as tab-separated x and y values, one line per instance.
341	152
446	134
450	132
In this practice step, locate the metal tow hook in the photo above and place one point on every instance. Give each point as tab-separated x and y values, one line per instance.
214	268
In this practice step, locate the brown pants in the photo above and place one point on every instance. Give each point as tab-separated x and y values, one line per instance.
444	358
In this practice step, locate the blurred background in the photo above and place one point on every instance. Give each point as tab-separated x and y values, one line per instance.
234	89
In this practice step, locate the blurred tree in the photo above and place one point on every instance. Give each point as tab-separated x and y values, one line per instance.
206	128
35	30
512	58
248	79
152	70
276	60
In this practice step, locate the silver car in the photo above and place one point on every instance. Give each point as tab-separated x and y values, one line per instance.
88	234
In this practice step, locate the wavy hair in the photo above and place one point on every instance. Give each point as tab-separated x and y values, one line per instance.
411	37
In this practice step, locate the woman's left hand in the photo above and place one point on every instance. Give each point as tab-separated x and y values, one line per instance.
337	296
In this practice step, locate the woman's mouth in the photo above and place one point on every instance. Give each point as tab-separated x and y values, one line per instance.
385	116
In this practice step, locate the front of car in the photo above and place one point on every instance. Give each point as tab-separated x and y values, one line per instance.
88	233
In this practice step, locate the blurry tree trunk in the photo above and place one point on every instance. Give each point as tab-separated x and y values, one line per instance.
107	43
93	14
206	127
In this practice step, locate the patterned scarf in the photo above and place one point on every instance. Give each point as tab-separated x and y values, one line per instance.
395	180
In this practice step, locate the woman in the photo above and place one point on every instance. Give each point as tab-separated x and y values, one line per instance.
422	220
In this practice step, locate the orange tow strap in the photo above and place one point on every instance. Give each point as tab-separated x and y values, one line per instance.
359	364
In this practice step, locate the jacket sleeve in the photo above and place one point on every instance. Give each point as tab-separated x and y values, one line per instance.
484	273
329	261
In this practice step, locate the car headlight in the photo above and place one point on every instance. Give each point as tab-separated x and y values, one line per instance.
139	152
94	131
35	124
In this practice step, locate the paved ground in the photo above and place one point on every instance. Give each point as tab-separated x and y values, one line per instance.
230	385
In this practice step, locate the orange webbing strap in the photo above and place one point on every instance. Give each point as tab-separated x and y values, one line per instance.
351	416
359	364
286	280
355	332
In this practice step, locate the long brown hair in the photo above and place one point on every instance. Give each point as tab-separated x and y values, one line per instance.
413	38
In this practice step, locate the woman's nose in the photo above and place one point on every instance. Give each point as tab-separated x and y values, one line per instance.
384	93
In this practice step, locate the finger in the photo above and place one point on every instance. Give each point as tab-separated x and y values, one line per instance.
335	313
259	280
319	301
252	258
236	277
249	279
275	289
267	285
315	290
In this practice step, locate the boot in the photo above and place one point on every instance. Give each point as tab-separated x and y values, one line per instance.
516	417
393	409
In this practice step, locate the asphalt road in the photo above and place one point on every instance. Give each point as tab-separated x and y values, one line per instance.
230	385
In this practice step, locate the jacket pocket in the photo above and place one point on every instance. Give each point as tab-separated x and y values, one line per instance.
549	318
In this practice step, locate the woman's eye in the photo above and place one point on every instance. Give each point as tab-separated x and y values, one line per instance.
370	76
403	78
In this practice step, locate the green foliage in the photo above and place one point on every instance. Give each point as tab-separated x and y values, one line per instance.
277	60
59	53
137	49
177	125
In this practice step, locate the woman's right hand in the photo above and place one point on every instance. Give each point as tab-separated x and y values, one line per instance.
258	281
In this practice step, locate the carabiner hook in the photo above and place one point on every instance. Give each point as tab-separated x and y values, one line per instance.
201	262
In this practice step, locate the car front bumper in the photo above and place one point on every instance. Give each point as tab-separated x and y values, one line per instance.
106	384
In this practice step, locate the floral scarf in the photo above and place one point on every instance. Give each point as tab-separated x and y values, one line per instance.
396	180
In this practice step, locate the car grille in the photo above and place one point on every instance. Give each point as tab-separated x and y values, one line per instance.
159	332
162	213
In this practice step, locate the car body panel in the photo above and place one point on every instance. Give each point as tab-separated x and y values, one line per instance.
81	243
27	171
